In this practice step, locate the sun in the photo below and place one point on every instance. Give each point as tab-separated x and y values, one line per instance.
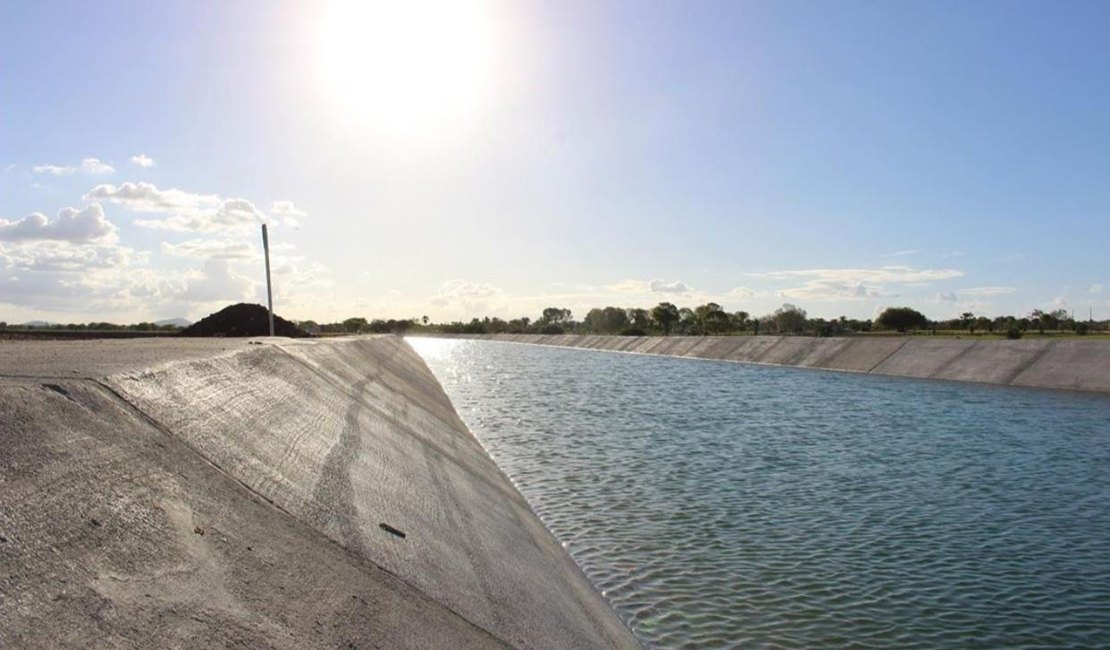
406	65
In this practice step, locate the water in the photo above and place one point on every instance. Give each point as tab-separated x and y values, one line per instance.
723	505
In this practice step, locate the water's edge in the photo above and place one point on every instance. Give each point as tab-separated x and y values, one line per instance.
1079	365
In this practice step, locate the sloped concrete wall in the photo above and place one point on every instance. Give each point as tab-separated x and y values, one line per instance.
1070	364
256	496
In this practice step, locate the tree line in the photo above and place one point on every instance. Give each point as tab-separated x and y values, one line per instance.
711	319
92	327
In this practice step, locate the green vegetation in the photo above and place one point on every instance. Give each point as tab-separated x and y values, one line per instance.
901	319
667	319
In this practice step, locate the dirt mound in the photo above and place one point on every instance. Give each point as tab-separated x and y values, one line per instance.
242	320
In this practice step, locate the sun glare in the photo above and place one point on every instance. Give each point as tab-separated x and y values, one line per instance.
406	66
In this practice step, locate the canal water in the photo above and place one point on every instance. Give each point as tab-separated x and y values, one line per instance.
725	505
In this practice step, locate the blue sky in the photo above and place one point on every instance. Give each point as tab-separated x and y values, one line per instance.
495	158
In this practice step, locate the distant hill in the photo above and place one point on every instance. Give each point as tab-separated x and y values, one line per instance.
176	322
37	323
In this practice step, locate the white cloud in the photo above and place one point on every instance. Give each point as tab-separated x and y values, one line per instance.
831	290
461	290
884	274
645	287
988	291
143	160
743	293
73	264
95	167
71	225
57	256
90	166
56	170
188	212
625	286
286	213
298	279
225	249
946	296
1095	288
145	197
217	282
659	286
468	299
856	283
904	253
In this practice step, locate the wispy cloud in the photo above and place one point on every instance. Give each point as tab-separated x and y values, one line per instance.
287	213
225	249
461	292
899	274
854	283
143	160
831	290
743	293
90	166
905	253
650	286
988	291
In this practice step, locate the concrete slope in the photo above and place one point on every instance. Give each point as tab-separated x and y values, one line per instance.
1036	363
114	534
340	498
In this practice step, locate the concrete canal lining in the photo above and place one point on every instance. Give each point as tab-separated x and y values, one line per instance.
1070	364
273	493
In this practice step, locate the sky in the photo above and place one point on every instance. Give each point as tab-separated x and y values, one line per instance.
495	157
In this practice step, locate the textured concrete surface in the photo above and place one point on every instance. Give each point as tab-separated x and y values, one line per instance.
230	494
1072	364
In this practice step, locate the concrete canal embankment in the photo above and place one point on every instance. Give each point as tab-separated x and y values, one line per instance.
215	493
1071	364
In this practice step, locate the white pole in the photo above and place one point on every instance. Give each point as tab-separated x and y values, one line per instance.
269	290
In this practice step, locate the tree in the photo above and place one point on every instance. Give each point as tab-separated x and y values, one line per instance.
1039	317
556	315
640	318
711	318
609	320
666	315
688	321
789	318
901	319
739	321
354	325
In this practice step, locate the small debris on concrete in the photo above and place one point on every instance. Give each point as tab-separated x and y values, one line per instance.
391	530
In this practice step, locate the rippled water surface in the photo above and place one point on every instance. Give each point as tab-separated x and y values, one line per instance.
721	505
